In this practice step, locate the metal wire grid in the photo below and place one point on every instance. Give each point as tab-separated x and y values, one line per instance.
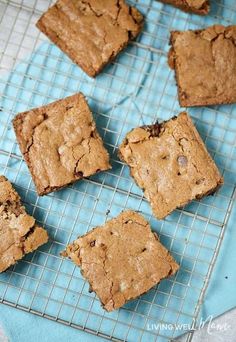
122	98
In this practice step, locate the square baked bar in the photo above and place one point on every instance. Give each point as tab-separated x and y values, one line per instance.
205	65
122	259
19	234
60	143
201	7
169	161
91	32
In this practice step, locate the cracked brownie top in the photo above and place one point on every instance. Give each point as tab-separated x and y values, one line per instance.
60	143
170	162
201	7
205	65
91	32
19	233
122	259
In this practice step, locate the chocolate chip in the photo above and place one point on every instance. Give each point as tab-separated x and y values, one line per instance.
103	246
154	130
93	134
144	249
79	174
199	181
182	161
92	243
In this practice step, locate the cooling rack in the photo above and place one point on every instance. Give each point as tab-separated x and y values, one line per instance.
137	88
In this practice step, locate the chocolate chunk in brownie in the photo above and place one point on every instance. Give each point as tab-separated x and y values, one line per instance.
201	7
60	143
122	259
205	65
19	234
91	32
172	166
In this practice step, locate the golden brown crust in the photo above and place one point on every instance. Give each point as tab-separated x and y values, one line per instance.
60	143
91	32
19	233
122	259
170	162
201	7
204	62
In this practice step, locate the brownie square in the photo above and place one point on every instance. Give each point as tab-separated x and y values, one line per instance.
91	32
169	161
205	65
121	259
60	143
19	234
201	7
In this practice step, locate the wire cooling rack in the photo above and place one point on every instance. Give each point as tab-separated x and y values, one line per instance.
136	89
